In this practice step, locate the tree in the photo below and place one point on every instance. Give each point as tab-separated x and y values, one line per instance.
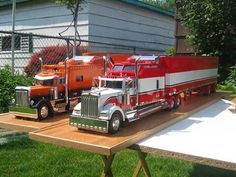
165	4
74	6
211	24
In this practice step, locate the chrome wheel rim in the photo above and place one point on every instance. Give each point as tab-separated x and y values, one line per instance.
178	101
44	112
116	123
172	104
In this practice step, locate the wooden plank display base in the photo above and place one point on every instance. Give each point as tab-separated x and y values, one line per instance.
9	121
131	133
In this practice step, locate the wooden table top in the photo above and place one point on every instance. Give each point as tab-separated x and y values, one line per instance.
130	134
206	137
9	121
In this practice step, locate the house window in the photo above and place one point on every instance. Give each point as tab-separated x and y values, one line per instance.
23	43
6	43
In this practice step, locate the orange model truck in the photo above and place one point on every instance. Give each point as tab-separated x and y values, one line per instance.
58	87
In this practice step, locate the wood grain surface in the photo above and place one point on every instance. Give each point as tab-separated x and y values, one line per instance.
9	121
131	133
189	157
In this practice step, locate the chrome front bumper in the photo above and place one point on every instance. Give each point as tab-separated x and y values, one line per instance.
26	112
89	124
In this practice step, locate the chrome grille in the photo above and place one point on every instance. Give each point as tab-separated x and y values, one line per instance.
22	98
89	106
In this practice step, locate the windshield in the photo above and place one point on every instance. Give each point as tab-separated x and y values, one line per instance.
44	82
111	84
117	68
129	68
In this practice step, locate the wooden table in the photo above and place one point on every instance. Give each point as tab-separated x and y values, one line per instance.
108	145
206	137
9	121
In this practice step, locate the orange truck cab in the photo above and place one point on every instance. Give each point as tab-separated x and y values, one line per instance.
58	87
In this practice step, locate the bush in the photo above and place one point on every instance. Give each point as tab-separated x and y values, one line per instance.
170	51
231	79
50	55
8	82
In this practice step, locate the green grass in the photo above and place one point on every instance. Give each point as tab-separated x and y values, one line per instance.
22	157
231	89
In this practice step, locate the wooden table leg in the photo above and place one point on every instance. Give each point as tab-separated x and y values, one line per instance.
107	162
141	164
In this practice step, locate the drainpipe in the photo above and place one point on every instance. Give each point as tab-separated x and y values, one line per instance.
66	81
136	79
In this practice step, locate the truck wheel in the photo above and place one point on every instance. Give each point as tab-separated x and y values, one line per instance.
177	101
114	123
171	104
43	111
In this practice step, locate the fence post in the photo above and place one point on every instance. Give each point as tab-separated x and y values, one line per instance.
13	37
68	48
134	50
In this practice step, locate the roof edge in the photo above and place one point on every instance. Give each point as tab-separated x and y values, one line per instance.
150	7
9	2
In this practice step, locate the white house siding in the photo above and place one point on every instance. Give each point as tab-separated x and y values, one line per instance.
43	17
39	17
117	22
109	21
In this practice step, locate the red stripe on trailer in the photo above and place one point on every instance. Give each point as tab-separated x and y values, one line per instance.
188	63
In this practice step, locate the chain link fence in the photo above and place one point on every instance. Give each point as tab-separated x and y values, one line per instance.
30	49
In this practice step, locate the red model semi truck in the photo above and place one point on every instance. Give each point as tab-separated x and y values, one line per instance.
58	87
142	85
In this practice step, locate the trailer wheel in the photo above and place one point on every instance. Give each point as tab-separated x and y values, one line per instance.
177	101
171	104
43	111
115	123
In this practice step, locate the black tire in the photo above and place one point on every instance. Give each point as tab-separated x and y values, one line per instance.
171	104
115	123
177	101
43	111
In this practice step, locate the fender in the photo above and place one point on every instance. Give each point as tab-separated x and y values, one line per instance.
110	108
43	101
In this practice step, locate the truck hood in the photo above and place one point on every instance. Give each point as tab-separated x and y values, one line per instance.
104	94
36	90
39	90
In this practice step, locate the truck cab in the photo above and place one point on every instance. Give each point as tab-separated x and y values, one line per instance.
57	87
117	97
